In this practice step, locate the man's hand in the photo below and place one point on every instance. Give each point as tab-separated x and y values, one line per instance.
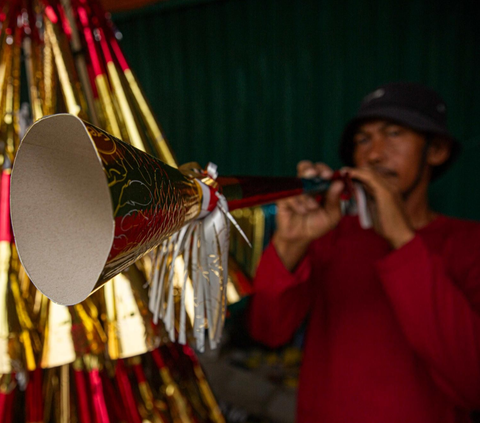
301	219
389	217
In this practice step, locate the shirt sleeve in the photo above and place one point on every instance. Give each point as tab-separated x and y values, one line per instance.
281	299
439	311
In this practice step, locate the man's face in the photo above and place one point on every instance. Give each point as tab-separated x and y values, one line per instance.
392	150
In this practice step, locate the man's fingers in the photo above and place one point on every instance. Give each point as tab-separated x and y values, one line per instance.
301	204
332	198
371	180
306	169
323	170
363	175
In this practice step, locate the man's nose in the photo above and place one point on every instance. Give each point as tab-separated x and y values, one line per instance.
376	153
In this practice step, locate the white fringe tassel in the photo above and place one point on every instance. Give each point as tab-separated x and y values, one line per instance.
204	246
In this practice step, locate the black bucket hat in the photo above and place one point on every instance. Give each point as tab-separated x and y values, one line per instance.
408	104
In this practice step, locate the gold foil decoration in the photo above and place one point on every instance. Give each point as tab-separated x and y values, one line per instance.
5	255
131	126
28	335
71	100
64	409
149	407
80	62
111	121
252	222
12	86
58	348
152	126
207	394
127	334
35	100
89	336
48	93
5	63
178	405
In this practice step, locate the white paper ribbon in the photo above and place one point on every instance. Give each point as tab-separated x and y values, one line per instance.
204	245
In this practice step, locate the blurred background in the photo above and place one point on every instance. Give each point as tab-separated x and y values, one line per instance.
257	85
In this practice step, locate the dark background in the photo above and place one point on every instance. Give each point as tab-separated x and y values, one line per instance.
257	85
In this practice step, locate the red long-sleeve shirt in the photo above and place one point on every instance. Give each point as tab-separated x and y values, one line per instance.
393	336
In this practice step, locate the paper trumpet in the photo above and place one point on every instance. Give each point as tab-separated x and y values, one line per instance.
85	206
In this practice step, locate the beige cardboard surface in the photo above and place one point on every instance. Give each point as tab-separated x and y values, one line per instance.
61	209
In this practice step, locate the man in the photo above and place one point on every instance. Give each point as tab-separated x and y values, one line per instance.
394	311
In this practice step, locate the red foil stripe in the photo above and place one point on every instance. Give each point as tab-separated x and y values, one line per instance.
116	409
118	54
3	405
248	191
105	48
6	407
213	200
84	414
258	200
99	406
51	14
91	76
190	353
34	397
107	28
157	357
126	393
87	32
140	375
5	228
65	23
173	349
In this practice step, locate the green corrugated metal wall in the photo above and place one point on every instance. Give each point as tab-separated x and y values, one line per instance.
256	85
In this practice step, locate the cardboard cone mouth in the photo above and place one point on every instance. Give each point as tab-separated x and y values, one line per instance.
61	209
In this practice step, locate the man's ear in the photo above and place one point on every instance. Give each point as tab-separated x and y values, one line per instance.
439	151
